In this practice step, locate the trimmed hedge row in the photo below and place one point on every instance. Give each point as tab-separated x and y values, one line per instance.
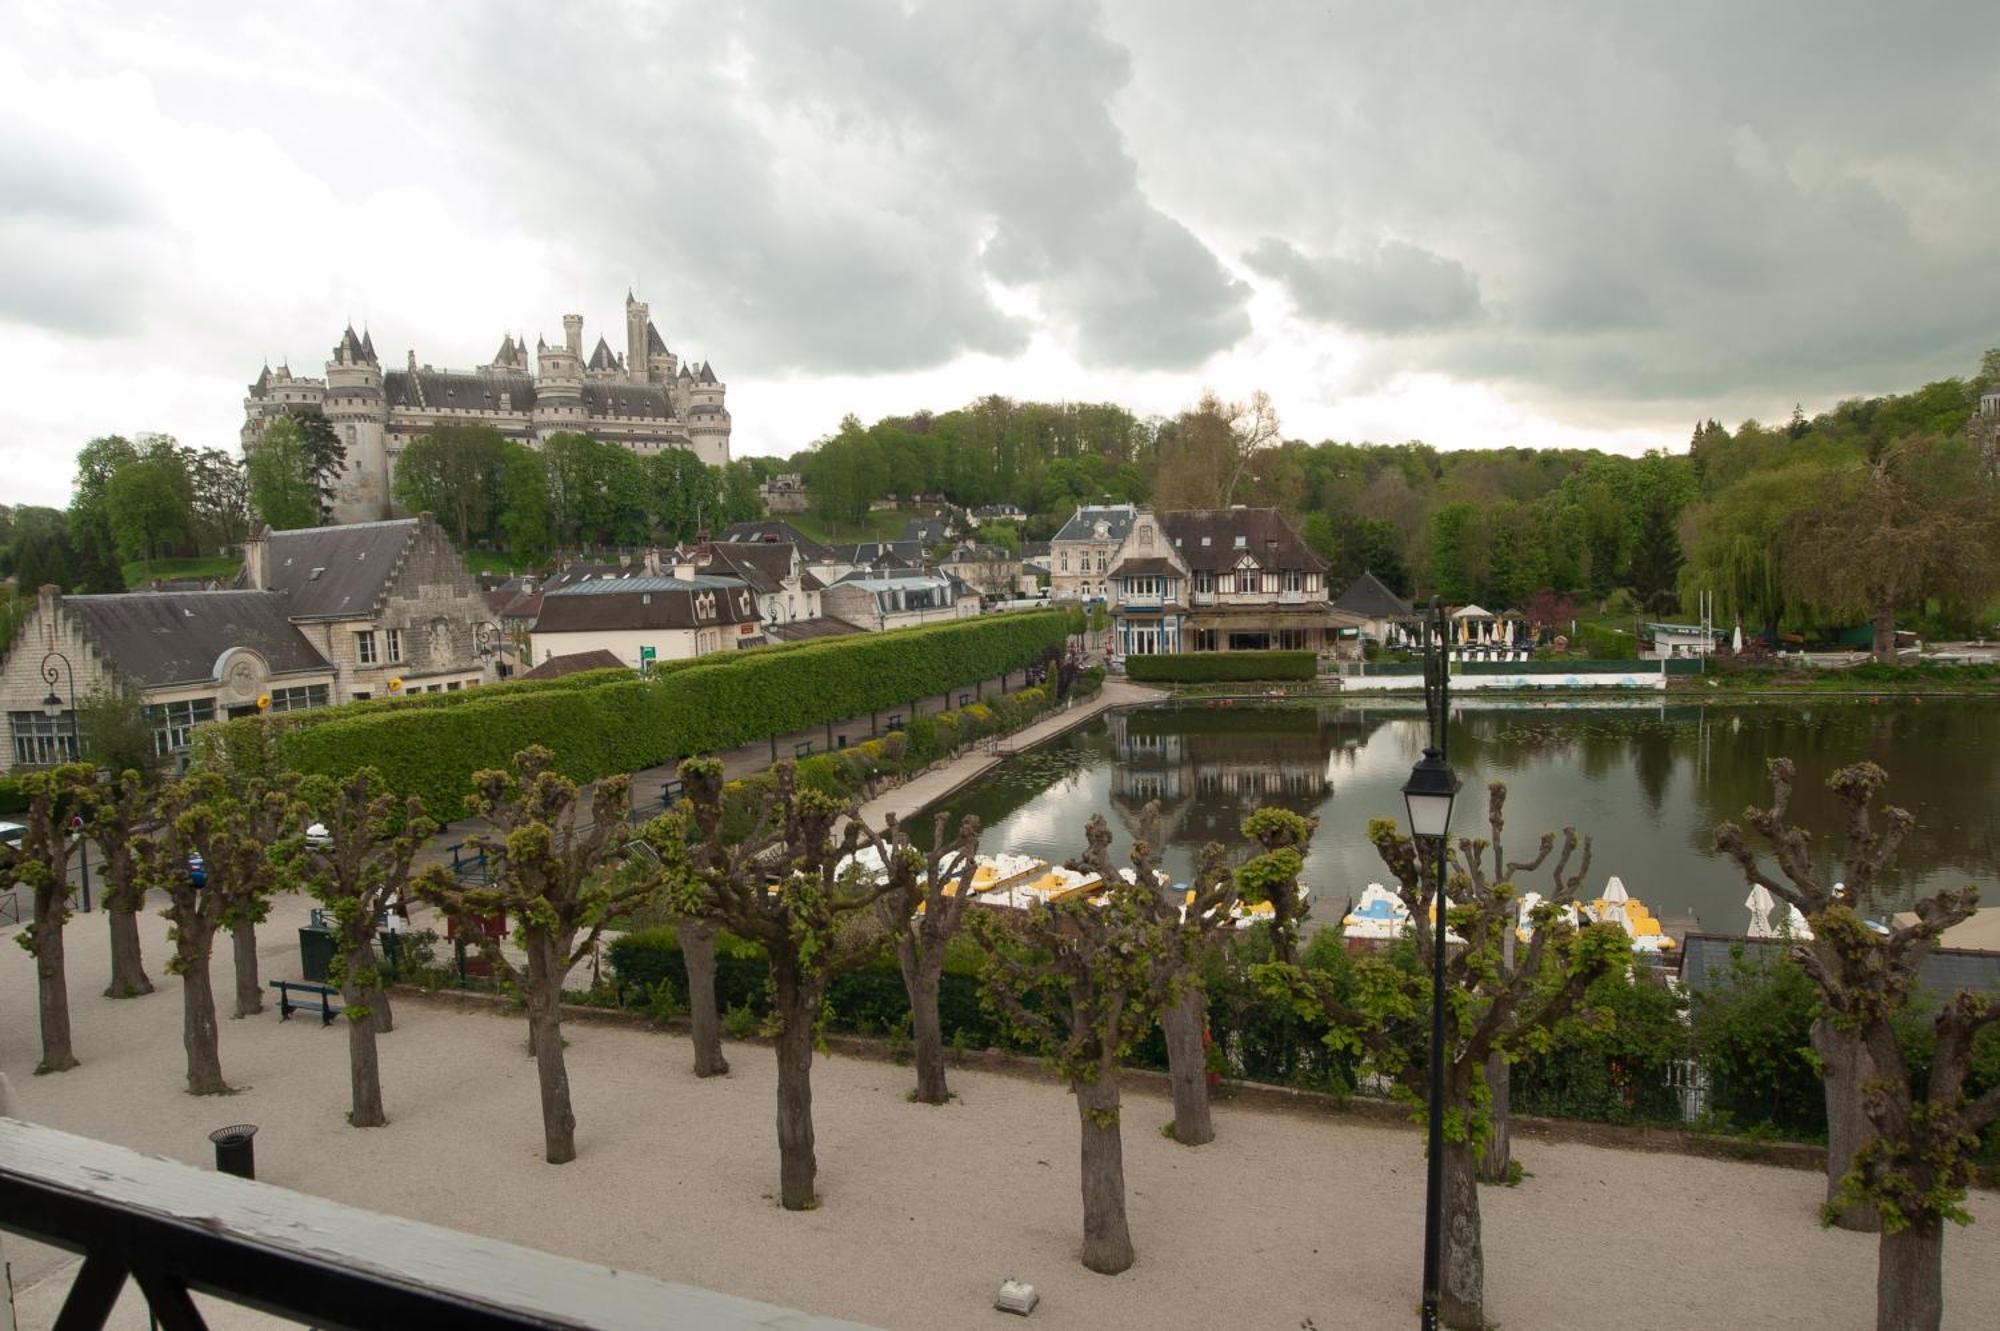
1218	667
627	723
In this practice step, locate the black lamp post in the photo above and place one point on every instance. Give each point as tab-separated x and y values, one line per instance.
1428	796
52	707
489	640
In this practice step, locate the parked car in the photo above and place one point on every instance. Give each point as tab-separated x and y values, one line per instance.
11	834
317	837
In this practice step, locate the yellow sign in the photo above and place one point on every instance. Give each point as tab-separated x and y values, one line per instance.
395	686
263	702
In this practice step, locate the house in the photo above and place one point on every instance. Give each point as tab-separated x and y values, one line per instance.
899	598
191	656
1035	557
640	617
784	493
1386	618
990	570
996	513
1220	580
780	533
558	666
390	604
1082	550
927	531
835	562
1671	640
785	588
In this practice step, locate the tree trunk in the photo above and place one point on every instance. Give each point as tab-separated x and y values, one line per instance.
545	1034
1884	620
198	1030
1107	1239
927	1029
376	998
1499	1153
1844	1068
797	1166
128	968
1909	1277
698	952
363	1069
1187	1067
52	985
249	996
1462	1274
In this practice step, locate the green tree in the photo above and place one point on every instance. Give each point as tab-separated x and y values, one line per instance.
527	522
127	815
550	854
220	497
118	736
145	507
1656	559
40	863
325	459
281	485
1914	1167
922	930
454	471
1453	536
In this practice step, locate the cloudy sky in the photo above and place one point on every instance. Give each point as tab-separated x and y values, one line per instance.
1473	224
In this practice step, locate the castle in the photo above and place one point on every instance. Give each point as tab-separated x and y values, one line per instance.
646	399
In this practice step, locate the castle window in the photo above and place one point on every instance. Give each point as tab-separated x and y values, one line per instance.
364	647
392	639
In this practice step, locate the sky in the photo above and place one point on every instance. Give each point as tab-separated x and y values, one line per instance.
1471	224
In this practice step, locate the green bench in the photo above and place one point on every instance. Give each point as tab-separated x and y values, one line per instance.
325	994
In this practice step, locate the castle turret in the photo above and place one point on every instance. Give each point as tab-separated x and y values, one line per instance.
707	418
559	383
636	324
660	363
359	413
573	335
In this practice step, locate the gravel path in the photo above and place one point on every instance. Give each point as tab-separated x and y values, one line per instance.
1284	1218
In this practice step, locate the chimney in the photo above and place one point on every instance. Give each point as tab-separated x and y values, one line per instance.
48	599
684	568
652	561
256	561
573	334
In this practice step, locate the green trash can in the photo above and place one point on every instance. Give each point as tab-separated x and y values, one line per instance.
315	953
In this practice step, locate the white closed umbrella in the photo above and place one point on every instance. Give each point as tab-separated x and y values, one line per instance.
1761	903
1614	891
1736	641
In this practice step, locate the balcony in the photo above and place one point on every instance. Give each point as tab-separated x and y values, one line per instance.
177	1230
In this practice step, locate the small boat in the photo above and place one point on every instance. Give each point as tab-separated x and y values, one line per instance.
1619	907
1380	914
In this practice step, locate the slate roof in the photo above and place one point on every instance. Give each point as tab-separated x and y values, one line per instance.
1267	538
644	602
1082	524
764	565
575	663
873	552
1705	963
927	530
767	530
440	389
628	400
1149	566
336	572
654	342
1370	598
601	358
160	638
707	376
820	626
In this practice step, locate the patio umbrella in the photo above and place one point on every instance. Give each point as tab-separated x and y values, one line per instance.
1736	643
1761	903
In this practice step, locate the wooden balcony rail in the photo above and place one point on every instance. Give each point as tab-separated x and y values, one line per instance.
177	1230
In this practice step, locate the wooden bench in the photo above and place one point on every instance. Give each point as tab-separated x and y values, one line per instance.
325	994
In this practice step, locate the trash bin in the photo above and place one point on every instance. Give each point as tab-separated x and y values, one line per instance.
315	953
234	1151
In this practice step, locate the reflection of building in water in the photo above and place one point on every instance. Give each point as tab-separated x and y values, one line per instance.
1207	782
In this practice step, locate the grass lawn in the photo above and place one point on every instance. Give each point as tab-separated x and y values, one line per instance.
492	561
887	525
140	572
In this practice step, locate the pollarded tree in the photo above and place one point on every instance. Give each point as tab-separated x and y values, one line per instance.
127	815
1082	981
1273	874
922	933
204	816
1914	1168
40	863
551	878
789	886
271	815
1188	918
361	871
1491	1007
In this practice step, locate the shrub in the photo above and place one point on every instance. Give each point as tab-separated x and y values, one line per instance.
1215	667
1605	644
618	722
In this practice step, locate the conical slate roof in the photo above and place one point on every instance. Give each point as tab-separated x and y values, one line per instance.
707	375
655	344
602	359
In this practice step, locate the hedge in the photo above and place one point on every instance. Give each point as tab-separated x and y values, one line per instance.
626	723
1607	644
1215	667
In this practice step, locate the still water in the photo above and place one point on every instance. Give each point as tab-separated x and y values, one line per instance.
1648	782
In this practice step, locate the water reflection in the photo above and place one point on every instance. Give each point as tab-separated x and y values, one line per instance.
1648	782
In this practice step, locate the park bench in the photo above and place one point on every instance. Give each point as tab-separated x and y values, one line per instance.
325	994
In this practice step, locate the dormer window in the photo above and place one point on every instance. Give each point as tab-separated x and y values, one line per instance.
1242	542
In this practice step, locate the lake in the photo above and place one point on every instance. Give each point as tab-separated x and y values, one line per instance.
1647	781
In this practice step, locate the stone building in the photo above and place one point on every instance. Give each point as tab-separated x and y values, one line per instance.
1081	553
646	616
784	493
898	598
320	616
646	398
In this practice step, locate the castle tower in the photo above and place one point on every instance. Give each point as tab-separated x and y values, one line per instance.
559	382
359	413
708	419
636	323
660	363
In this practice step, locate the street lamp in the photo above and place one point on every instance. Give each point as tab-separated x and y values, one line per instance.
1428	796
489	640
52	707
